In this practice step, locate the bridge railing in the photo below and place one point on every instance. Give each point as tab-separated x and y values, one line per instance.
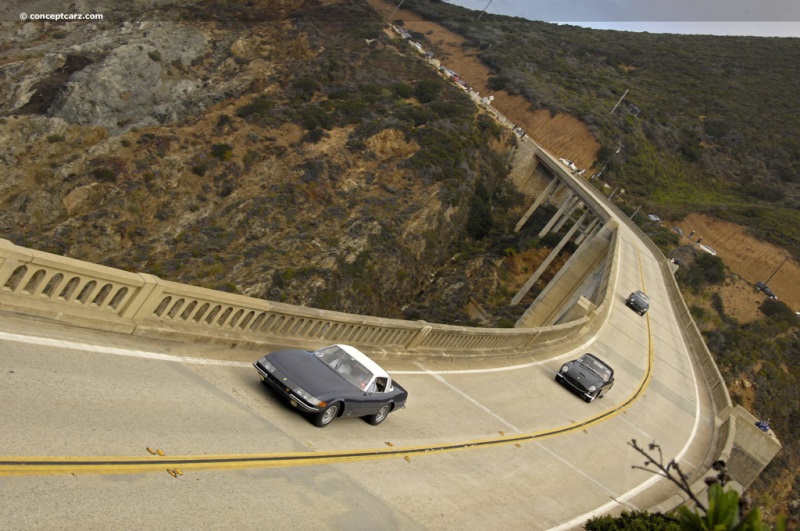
84	294
696	345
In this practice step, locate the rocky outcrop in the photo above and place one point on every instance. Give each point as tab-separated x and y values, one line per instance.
130	86
127	74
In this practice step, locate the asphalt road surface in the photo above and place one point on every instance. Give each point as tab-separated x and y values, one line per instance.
481	444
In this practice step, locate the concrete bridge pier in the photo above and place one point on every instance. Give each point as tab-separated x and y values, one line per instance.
571	294
589	231
565	206
552	189
576	204
544	265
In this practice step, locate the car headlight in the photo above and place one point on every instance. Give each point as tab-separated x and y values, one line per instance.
564	368
592	388
308	398
267	365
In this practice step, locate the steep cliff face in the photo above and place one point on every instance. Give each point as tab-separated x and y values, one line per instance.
307	159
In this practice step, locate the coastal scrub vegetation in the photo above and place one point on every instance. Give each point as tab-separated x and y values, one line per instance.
709	123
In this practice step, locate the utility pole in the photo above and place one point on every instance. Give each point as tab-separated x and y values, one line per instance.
619	148
389	18
776	271
620	101
484	10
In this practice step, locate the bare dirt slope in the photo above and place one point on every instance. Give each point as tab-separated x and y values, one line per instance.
751	259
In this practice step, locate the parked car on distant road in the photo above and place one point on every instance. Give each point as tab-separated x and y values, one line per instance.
335	381
638	301
587	376
569	164
760	286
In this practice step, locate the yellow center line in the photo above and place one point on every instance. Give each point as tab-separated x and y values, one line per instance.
41	466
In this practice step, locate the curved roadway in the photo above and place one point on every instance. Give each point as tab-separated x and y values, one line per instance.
481	444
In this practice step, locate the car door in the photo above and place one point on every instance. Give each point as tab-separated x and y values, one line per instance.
371	399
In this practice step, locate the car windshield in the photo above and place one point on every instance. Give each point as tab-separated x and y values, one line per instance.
346	366
642	296
595	366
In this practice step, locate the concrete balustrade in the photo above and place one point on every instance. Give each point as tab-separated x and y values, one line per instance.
47	285
88	295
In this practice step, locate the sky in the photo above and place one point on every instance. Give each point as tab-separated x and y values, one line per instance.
762	18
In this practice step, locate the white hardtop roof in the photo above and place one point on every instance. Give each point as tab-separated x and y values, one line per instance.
364	360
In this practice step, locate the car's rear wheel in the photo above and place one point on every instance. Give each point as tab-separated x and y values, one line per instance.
380	416
326	416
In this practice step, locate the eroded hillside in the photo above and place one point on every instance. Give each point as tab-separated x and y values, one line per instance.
310	158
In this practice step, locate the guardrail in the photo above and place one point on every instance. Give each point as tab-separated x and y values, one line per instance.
695	344
83	294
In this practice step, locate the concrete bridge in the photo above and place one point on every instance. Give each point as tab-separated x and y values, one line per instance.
101	364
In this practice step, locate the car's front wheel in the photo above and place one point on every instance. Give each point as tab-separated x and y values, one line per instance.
592	396
380	416
326	416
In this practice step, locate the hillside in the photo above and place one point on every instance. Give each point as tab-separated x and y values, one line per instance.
755	341
307	155
718	117
308	159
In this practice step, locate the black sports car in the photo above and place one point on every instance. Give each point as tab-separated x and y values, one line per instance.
588	376
760	286
638	301
335	381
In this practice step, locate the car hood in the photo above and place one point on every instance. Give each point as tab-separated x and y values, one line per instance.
582	376
304	369
638	301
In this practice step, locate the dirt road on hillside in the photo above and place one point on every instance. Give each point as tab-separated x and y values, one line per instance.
750	258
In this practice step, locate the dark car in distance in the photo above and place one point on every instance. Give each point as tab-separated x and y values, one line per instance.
760	286
334	381
588	376
638	302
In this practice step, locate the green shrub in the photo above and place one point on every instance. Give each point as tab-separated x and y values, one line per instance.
259	107
314	117
104	174
479	220
305	88
779	311
632	521
498	83
315	135
223	120
403	90
427	91
222	151
707	269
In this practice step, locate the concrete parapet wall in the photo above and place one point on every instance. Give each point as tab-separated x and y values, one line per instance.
752	450
83	294
693	339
